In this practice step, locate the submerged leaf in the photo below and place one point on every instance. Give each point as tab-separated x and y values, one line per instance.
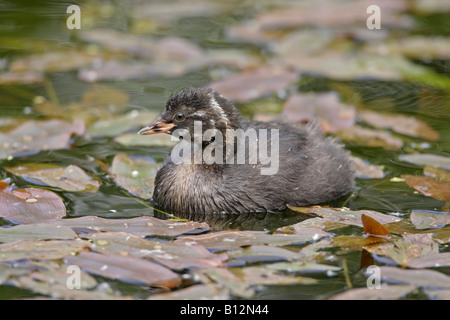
70	178
30	205
136	175
126	269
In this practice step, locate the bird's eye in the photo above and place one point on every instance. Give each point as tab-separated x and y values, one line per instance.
179	117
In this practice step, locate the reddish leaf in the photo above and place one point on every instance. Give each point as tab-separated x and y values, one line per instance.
373	227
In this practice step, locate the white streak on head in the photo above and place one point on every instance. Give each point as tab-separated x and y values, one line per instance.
199	114
219	109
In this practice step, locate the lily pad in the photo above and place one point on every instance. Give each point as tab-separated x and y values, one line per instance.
386	292
195	292
71	178
423	219
229	239
365	170
405	251
418	278
303	267
40	231
253	84
15	78
133	139
263	253
346	216
126	269
33	136
140	226
136	175
426	159
54	61
326	109
42	250
370	138
429	186
399	123
30	205
176	256
113	127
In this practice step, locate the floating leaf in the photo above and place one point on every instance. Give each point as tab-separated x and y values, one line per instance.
429	186
177	256
356	242
441	235
117	125
431	261
326	109
121	70
136	175
126	269
140	226
30	205
54	61
405	250
427	159
33	136
373	227
385	292
99	102
70	178
253	84
303	267
414	47
240	283
438	174
346	216
263	253
311	223
418	278
371	138
15	78
366	170
226	240
39	231
132	139
195	292
423	219
399	123
42	250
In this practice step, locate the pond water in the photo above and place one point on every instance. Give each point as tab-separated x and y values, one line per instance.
30	27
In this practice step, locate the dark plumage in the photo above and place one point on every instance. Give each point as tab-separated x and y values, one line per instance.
312	169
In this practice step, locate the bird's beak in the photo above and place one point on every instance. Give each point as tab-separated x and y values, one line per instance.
157	127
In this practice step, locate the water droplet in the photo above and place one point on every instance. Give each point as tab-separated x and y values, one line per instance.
124	253
102	242
134	173
31	199
149	224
